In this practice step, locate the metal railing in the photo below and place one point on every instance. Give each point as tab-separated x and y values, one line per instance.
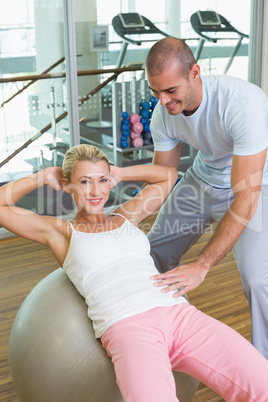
46	75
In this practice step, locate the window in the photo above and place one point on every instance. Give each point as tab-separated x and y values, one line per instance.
238	14
147	8
17	34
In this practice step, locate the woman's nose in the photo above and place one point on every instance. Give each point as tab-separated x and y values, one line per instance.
95	190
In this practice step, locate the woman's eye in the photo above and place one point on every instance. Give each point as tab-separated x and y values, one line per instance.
103	180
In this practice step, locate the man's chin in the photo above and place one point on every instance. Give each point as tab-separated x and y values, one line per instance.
176	110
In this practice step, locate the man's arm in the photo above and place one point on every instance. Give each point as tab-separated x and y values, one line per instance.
246	179
168	158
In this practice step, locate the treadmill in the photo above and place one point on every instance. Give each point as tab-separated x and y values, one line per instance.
129	25
210	22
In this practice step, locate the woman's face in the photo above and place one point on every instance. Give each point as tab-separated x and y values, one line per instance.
90	185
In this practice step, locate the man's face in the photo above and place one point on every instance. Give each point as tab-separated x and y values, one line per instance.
176	92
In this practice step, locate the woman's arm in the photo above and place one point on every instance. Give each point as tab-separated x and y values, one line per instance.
160	180
20	221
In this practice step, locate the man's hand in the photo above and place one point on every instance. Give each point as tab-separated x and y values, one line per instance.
183	278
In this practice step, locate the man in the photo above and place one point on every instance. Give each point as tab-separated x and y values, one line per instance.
226	120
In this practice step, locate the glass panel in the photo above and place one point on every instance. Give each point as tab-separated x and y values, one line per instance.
32	43
27	115
147	8
151	10
215	56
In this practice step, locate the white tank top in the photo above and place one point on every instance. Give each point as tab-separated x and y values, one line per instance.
112	271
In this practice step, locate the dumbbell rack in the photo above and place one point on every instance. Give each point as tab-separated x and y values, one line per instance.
126	97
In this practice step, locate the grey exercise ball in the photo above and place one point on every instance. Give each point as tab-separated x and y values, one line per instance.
54	355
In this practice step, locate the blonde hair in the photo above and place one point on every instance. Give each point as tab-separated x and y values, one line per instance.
82	152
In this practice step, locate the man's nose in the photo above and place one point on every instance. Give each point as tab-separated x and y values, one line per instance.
164	98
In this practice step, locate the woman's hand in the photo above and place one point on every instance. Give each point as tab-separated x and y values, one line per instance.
53	177
115	176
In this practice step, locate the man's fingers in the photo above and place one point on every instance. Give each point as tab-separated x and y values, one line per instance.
166	275
181	292
168	281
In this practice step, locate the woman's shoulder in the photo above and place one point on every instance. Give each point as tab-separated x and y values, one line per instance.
60	233
123	212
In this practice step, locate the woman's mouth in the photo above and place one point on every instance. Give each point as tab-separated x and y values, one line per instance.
95	201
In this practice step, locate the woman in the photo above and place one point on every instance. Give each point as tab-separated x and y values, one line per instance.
147	332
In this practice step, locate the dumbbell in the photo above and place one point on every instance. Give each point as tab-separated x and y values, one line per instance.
125	129
137	127
153	102
137	142
125	115
134	135
134	118
123	142
145	113
144	120
147	127
145	105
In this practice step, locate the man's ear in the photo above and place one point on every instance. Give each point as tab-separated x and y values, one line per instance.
195	71
65	186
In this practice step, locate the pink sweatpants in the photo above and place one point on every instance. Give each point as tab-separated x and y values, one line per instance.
147	347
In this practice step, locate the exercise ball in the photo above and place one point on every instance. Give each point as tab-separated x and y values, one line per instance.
54	355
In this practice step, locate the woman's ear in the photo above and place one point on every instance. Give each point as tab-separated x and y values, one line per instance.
65	186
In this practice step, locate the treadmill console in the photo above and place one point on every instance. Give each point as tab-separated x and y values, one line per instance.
209	18
131	20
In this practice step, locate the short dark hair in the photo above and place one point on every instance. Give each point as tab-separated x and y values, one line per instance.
167	51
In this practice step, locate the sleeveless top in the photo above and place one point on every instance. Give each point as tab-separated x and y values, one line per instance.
112	271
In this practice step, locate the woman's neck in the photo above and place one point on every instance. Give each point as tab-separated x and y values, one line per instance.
90	223
96	219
